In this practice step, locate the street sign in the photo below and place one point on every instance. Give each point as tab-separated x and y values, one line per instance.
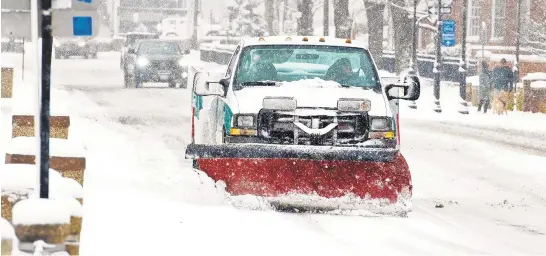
448	33
70	23
75	18
15	5
443	10
16	24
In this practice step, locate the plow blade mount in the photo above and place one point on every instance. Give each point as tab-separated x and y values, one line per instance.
278	172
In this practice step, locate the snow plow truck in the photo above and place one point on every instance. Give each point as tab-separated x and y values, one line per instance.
303	123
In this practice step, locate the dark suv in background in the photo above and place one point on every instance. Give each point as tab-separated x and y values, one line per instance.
155	60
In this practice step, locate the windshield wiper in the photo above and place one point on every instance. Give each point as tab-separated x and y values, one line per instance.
260	83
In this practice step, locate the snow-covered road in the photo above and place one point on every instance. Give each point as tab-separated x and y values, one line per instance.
142	196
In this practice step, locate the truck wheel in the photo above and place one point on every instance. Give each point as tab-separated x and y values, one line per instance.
138	82
172	84
184	84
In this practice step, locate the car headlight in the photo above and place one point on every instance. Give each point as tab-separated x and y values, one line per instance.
184	74
354	105
141	61
81	44
279	103
380	124
245	121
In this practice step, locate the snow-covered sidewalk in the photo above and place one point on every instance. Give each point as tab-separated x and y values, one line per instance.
526	122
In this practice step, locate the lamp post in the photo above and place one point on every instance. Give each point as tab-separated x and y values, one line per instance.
326	18
516	64
413	62
462	64
437	66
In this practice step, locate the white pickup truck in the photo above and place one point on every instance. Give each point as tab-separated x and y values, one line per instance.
304	116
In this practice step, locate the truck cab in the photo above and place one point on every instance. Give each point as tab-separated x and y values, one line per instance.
299	91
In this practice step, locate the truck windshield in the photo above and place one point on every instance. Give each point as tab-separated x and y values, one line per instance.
348	66
160	48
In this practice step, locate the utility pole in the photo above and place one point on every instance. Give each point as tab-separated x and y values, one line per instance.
437	64
516	65
195	15
326	17
462	64
47	45
413	64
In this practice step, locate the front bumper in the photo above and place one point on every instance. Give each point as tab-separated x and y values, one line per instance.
161	75
255	150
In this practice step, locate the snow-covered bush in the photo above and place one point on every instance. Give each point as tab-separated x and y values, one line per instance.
245	19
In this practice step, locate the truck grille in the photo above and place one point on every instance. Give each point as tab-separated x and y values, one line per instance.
163	64
281	128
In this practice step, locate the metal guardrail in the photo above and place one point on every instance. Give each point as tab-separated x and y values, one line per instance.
216	52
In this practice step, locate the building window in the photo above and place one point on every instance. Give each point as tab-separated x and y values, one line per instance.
499	14
474	18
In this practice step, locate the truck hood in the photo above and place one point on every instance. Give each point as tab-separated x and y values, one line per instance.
250	99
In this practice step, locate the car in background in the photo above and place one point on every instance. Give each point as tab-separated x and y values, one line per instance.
130	39
156	60
67	47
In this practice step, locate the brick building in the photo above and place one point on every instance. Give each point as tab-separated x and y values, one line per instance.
496	22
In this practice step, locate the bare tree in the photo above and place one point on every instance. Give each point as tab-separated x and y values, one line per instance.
402	33
305	22
341	19
374	14
533	34
270	16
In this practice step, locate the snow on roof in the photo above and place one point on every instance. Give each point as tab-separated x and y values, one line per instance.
39	211
298	40
22	178
512	58
538	84
58	147
535	76
6	230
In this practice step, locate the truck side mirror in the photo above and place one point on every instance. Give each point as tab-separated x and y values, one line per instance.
411	86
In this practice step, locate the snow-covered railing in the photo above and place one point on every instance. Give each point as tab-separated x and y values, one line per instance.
221	54
19	174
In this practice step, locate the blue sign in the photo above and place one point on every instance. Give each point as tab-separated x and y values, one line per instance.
448	33
82	26
85	1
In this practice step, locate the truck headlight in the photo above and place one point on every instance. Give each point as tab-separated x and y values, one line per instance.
182	62
141	61
246	121
279	103
81	43
380	124
354	105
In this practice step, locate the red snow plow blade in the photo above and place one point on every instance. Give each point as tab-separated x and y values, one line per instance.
310	177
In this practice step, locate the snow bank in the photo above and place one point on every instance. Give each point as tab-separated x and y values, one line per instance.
38	211
311	83
58	147
535	76
6	230
538	84
65	188
22	178
24	101
474	80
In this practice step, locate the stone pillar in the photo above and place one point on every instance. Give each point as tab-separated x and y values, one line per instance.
7	82
527	95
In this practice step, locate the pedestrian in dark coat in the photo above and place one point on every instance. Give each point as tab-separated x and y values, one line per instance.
503	77
485	88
